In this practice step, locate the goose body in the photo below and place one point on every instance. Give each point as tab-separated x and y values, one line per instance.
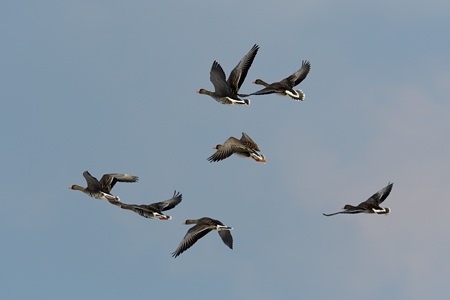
370	206
102	189
202	227
226	91
286	86
245	147
154	210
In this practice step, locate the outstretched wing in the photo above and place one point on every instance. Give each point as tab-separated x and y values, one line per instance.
226	238
109	180
92	182
300	75
377	198
230	146
168	204
238	74
248	142
217	77
192	236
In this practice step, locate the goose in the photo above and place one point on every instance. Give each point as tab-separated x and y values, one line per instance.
154	210
226	91
370	206
202	227
286	86
244	147
102	189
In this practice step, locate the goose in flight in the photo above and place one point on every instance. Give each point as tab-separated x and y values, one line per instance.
286	86
370	206
201	228
102	189
154	210
244	147
226	91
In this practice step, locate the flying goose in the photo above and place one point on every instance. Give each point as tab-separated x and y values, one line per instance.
244	147
154	210
102	189
370	206
226	91
202	227
286	86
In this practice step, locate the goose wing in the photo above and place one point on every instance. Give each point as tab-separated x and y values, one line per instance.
217	77
248	142
238	74
192	236
298	76
92	182
168	204
109	180
226	238
377	198
230	146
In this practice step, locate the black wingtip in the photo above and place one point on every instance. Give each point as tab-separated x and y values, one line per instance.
177	194
215	64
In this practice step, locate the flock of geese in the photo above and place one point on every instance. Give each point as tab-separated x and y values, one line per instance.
226	91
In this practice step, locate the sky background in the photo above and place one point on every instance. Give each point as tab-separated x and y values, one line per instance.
109	86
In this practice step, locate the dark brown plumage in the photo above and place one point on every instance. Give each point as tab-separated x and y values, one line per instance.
102	189
202	227
244	147
286	86
226	91
154	210
370	206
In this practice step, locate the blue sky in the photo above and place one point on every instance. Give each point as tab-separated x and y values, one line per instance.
109	86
